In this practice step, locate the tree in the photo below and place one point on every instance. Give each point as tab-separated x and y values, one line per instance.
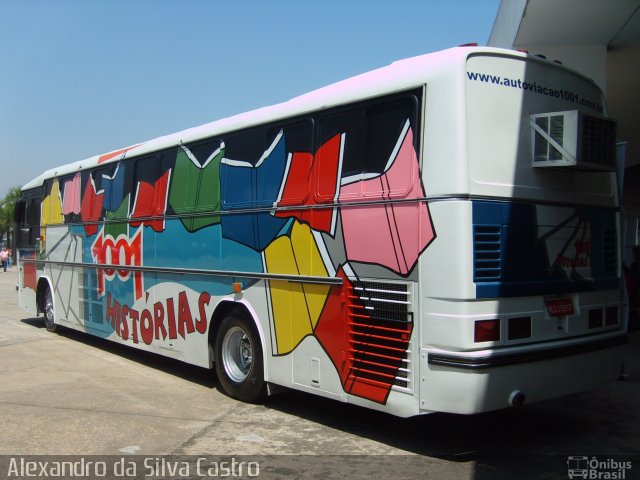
7	205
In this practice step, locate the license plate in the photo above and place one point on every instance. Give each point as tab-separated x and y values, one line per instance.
559	307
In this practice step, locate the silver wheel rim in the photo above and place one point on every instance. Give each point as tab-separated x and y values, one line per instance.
48	309
237	354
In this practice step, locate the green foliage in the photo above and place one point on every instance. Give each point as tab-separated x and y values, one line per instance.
7	204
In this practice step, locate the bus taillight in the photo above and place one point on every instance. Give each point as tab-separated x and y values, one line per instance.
486	331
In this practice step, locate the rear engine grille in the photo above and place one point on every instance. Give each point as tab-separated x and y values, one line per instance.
487	253
379	331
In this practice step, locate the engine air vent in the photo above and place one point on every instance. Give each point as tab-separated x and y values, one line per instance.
379	326
487	253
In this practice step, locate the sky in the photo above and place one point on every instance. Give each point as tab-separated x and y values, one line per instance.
84	77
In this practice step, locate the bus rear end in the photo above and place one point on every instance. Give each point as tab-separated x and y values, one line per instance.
526	302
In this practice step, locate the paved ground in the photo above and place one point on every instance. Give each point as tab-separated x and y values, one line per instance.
72	394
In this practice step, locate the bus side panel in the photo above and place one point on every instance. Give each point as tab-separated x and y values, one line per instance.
62	246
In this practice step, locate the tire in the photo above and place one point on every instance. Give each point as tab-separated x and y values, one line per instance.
49	313
238	359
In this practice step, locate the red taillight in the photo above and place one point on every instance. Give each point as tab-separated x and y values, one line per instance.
486	331
611	316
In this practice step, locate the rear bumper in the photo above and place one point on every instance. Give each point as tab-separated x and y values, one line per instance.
476	382
480	360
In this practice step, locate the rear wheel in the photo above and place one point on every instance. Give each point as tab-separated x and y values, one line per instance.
238	359
49	314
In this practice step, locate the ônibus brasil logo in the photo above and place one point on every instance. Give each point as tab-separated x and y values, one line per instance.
115	252
595	468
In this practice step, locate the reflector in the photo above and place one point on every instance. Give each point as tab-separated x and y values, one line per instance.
595	318
611	316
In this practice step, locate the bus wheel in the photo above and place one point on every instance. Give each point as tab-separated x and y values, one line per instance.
49	316
238	359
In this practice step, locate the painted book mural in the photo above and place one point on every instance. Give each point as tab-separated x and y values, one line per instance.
272	205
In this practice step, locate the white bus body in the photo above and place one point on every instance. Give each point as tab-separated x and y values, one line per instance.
440	234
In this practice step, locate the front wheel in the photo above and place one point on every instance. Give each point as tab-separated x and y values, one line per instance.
238	359
49	314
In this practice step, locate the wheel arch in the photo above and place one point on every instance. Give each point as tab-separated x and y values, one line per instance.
44	283
224	308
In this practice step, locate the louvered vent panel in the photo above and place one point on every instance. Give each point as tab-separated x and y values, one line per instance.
598	141
487	253
380	326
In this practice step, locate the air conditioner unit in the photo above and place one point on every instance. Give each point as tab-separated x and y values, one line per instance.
573	139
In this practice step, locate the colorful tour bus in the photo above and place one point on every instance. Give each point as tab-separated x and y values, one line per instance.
440	234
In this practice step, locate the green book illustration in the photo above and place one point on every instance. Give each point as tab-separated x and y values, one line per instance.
116	221
195	188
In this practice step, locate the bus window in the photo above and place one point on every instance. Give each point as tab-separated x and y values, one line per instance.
253	168
341	146
19	212
27	216
247	146
195	182
390	127
113	182
385	123
52	203
298	147
242	152
371	138
70	193
92	203
152	182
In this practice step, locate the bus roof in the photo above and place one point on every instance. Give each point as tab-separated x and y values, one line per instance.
399	75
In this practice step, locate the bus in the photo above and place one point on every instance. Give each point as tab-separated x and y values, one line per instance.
437	235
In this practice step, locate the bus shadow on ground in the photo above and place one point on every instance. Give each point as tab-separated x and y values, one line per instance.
533	441
201	376
34	322
513	431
